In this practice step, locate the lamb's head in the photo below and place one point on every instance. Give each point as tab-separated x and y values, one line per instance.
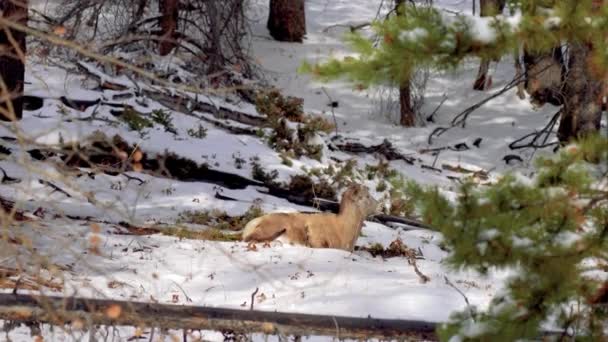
359	196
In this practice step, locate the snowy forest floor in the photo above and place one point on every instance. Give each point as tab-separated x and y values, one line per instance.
76	217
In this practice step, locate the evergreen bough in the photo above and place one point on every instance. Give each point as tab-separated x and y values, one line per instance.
425	36
550	231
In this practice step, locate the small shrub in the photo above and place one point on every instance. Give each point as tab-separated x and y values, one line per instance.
381	171
400	202
219	219
316	123
276	106
201	217
258	173
339	174
135	120
254	211
63	110
304	186
164	119
199	133
345	174
375	249
285	159
238	160
211	234
279	110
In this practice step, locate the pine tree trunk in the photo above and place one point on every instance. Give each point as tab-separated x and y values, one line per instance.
519	74
168	25
287	20
483	81
215	40
12	60
582	109
487	8
545	76
407	115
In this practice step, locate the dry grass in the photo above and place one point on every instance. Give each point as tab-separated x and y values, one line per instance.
210	234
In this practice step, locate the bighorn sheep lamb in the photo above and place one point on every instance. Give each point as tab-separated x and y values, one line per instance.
318	230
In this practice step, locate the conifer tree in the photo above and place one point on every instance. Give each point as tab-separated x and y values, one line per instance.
550	231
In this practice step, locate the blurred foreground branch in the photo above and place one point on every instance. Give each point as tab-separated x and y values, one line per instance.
79	311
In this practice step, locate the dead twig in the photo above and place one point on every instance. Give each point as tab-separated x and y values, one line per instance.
461	118
54	187
543	134
130	178
332	104
253	297
466	299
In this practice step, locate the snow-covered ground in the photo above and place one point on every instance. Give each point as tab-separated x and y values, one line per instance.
224	274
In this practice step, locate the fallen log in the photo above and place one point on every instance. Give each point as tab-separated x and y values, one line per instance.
384	218
83	312
225	124
187	105
385	149
183	104
102	156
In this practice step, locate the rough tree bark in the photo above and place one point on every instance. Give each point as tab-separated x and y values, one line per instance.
581	112
583	91
12	60
407	114
483	81
545	76
287	20
169	10
215	53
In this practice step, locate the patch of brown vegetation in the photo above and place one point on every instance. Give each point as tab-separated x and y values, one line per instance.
209	234
276	106
304	186
397	249
14	279
8	208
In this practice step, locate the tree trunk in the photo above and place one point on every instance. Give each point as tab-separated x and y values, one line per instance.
582	108
487	8
545	76
287	20
407	115
168	25
12	60
215	40
519	74
483	81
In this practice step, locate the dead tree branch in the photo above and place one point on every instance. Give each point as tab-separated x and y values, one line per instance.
385	148
59	310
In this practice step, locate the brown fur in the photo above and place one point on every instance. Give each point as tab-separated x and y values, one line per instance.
317	230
